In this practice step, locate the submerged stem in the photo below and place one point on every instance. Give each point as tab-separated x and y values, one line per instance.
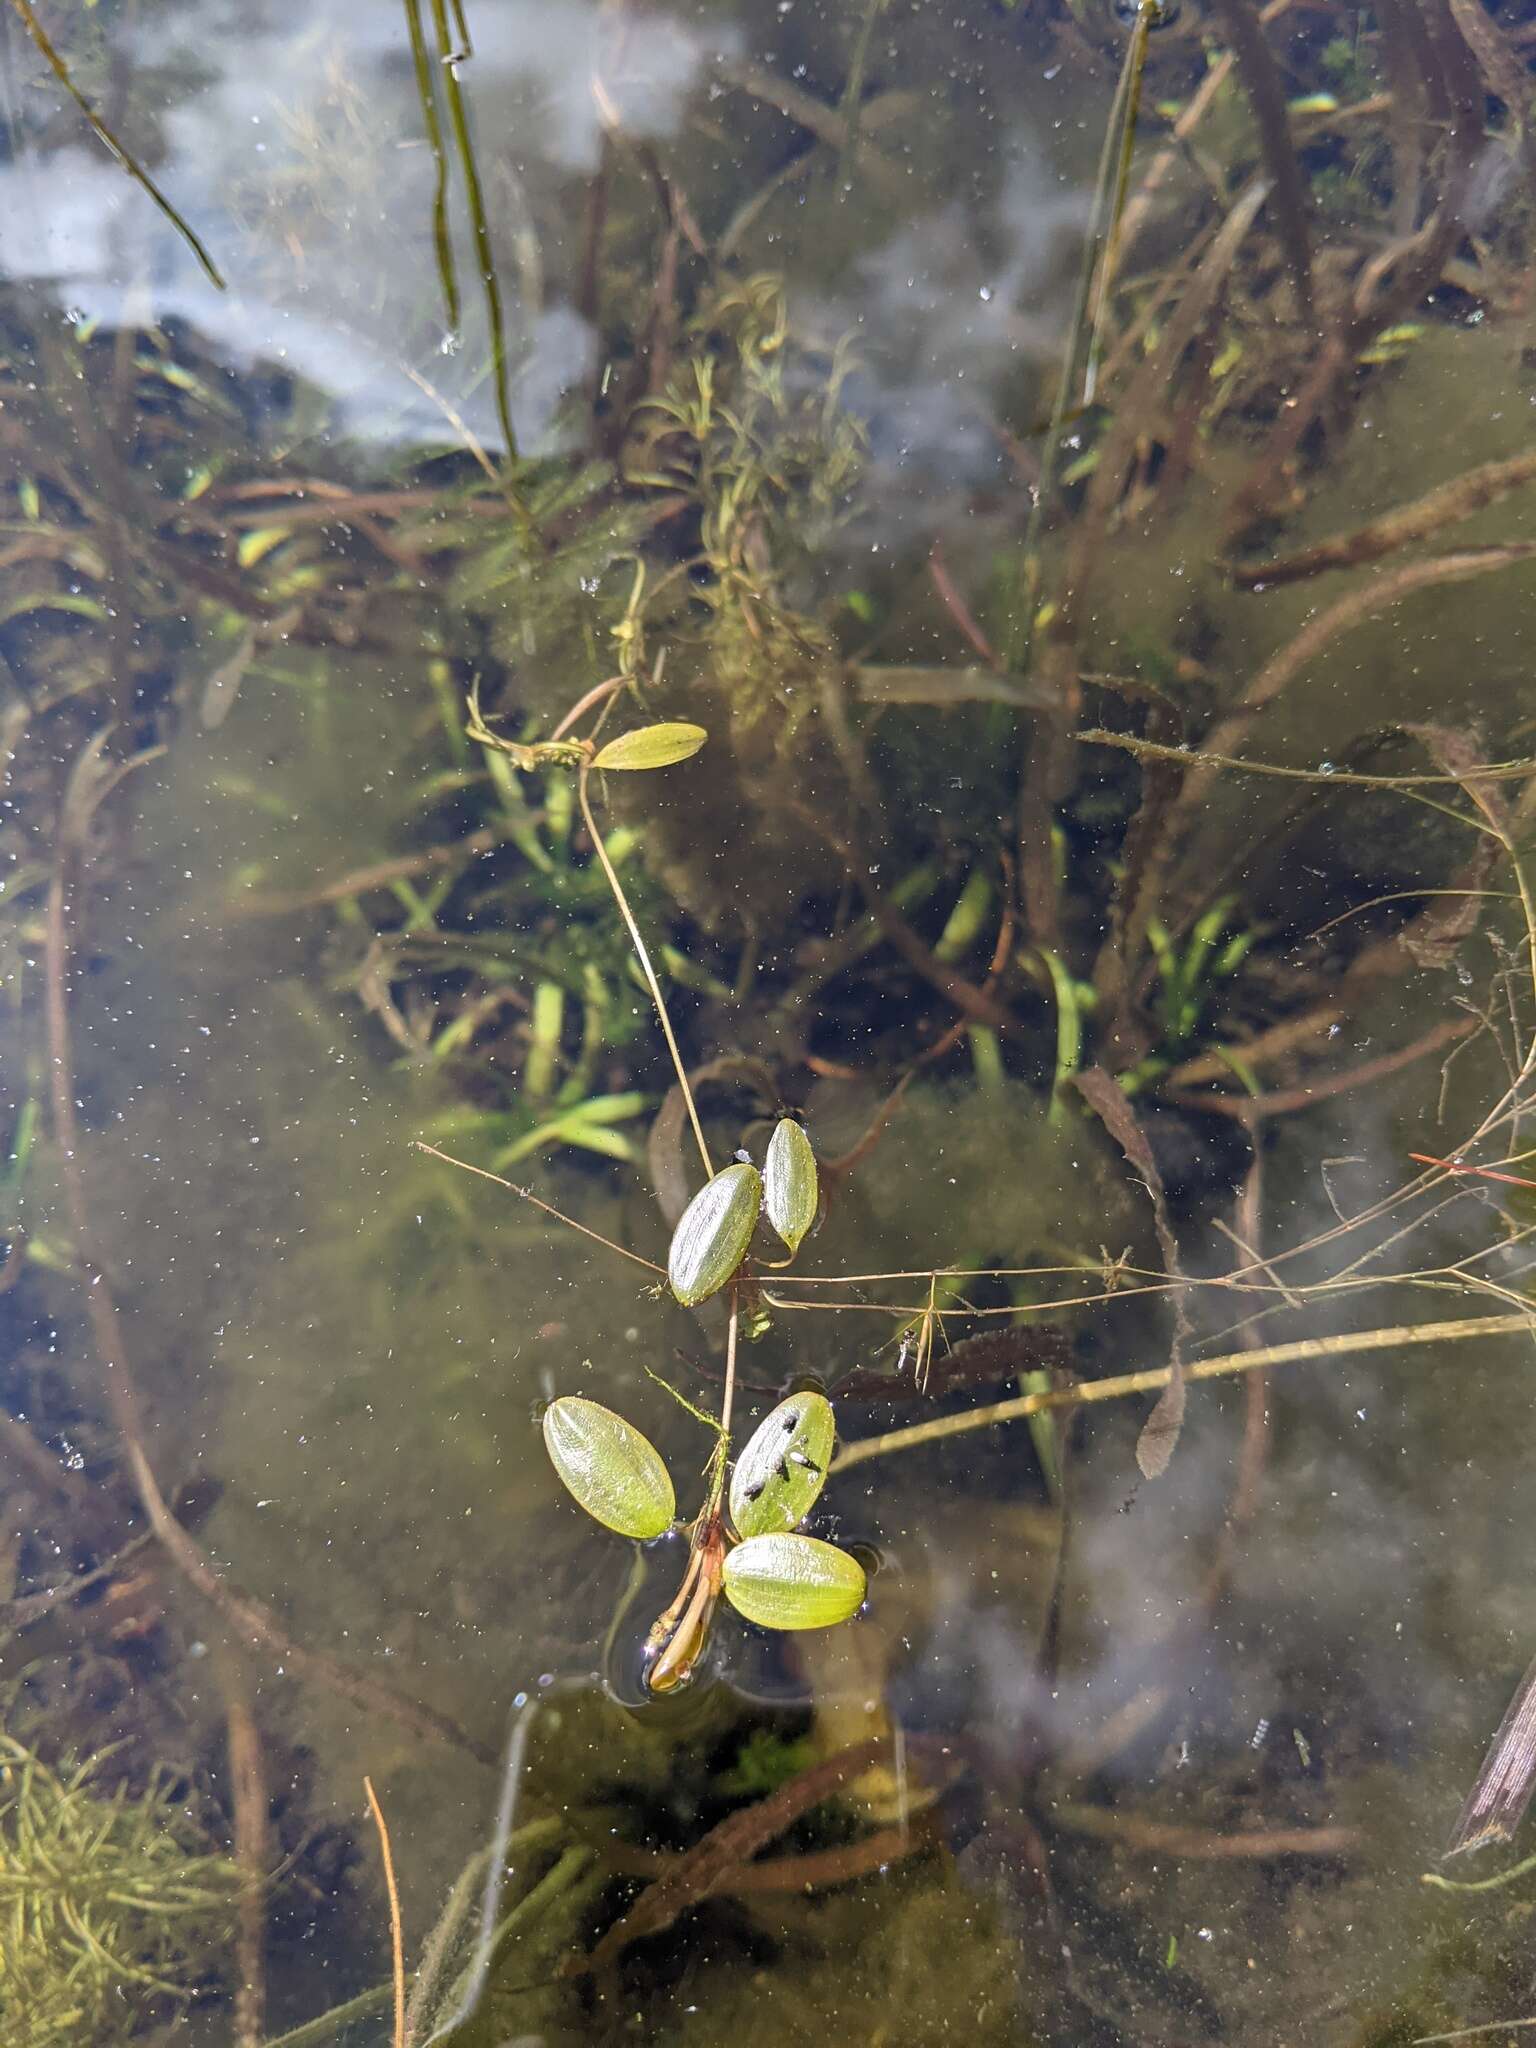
727	1399
549	1209
644	958
1122	1384
485	255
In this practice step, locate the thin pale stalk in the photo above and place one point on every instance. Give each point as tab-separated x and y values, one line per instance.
1124	1384
644	958
598	694
727	1399
396	1937
483	1173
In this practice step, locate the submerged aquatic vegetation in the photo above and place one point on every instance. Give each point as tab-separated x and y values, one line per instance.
111	1903
964	880
782	1580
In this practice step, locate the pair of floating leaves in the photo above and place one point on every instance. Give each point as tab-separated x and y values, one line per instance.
713	1233
773	1576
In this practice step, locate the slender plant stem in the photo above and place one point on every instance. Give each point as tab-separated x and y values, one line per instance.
644	957
485	255
598	694
1479	1884
527	1195
1079	370
1147	1382
442	240
99	128
727	1399
326	2025
396	1936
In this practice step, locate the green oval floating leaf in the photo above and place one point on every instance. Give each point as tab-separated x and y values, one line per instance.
609	1468
793	1582
651	746
789	1182
713	1233
784	1467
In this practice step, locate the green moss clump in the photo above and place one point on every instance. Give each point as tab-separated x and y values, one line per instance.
110	1904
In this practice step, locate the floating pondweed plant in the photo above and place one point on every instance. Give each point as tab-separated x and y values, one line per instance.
768	1571
754	1552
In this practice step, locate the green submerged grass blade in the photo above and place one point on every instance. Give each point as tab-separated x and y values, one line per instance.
442	240
458	121
1079	370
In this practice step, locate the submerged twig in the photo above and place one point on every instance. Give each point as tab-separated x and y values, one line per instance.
734	1841
1382	593
1228	1364
248	1794
1444	506
1286	1101
797	1873
1262	82
1167	1838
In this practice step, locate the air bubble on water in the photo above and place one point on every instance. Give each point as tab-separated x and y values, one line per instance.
1464	976
450	344
1325	767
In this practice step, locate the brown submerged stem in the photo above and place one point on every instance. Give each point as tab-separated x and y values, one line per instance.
392	1891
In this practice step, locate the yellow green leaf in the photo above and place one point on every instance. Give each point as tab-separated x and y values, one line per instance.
789	1182
713	1233
609	1468
784	1466
793	1582
651	746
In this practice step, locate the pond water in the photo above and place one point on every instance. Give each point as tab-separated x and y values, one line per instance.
832	379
